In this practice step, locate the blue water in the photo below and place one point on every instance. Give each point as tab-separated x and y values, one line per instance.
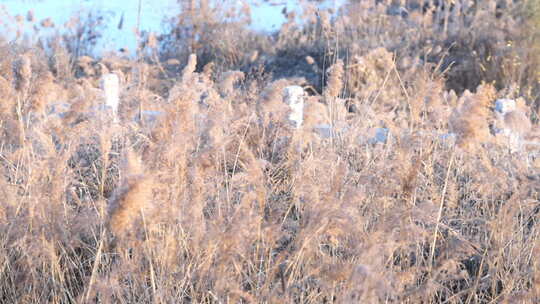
266	16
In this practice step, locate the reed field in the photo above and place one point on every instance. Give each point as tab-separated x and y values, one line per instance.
219	199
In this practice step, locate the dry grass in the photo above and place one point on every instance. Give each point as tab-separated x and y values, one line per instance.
220	200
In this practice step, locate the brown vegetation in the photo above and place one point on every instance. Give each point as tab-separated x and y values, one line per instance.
221	201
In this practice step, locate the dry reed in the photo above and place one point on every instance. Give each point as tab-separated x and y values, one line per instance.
222	201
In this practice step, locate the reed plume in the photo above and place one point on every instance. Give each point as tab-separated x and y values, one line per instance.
132	196
22	69
335	80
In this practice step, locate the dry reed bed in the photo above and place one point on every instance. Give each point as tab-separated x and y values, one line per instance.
221	201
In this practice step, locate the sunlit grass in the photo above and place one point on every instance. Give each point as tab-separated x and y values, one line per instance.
221	199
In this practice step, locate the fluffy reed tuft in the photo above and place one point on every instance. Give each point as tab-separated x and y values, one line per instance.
132	197
22	69
470	121
335	80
